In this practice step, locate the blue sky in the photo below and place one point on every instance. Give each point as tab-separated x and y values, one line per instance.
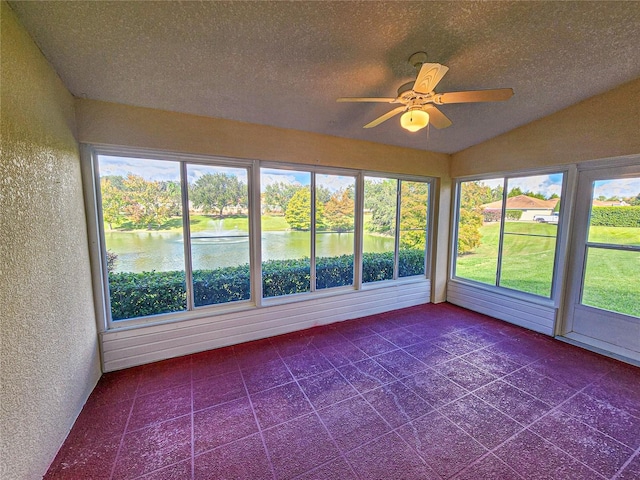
549	184
166	170
162	170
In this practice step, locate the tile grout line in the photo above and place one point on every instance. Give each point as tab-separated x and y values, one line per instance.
633	456
315	411
193	428
124	432
255	418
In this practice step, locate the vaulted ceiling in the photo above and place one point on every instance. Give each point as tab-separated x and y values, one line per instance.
285	63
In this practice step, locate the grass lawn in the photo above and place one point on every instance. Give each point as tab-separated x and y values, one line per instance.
527	263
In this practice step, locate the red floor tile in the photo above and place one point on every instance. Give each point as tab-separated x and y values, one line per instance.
441	444
240	460
222	424
160	406
336	469
593	448
489	467
352	423
298	446
154	447
513	402
212	391
327	388
386	396
534	458
280	404
396	404
366	375
434	388
389	457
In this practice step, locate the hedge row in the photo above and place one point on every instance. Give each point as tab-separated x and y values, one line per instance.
496	215
615	216
141	294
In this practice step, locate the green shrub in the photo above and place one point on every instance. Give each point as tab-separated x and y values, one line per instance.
491	215
615	216
150	293
514	214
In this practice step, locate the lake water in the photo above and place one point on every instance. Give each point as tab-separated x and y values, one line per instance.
163	251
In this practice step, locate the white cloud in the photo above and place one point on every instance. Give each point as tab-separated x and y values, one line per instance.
334	183
620	187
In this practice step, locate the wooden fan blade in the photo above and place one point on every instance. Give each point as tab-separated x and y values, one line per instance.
385	117
429	76
437	118
366	99
496	95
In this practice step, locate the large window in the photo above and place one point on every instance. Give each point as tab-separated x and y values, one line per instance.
507	231
181	234
286	231
395	228
219	227
612	260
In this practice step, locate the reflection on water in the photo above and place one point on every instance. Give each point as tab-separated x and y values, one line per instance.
164	251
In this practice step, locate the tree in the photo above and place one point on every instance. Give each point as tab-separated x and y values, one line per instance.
380	199
538	195
413	214
146	203
174	197
514	192
339	212
323	194
298	213
635	201
112	200
279	194
472	197
218	191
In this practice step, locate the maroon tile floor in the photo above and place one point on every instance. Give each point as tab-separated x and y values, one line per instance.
427	392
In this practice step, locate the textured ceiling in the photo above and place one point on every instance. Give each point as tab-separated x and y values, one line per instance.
285	63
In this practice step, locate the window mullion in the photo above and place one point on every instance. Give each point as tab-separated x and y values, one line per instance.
255	234
358	232
186	229
503	214
396	256
312	231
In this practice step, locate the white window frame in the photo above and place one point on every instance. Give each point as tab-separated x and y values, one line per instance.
567	197
96	236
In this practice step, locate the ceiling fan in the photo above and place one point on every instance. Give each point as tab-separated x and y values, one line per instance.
419	99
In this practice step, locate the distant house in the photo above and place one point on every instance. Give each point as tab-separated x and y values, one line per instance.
529	206
610	203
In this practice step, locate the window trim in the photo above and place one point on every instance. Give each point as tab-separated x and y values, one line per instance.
96	234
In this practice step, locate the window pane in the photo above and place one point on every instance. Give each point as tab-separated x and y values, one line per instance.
530	231
527	263
286	235
142	212
615	212
335	212
479	230
219	224
413	228
611	281
380	202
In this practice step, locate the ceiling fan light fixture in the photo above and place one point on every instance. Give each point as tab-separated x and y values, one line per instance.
414	120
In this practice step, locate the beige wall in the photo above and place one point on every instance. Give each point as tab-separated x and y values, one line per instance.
49	356
604	126
116	124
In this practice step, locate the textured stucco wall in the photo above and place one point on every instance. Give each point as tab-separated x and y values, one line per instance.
49	355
